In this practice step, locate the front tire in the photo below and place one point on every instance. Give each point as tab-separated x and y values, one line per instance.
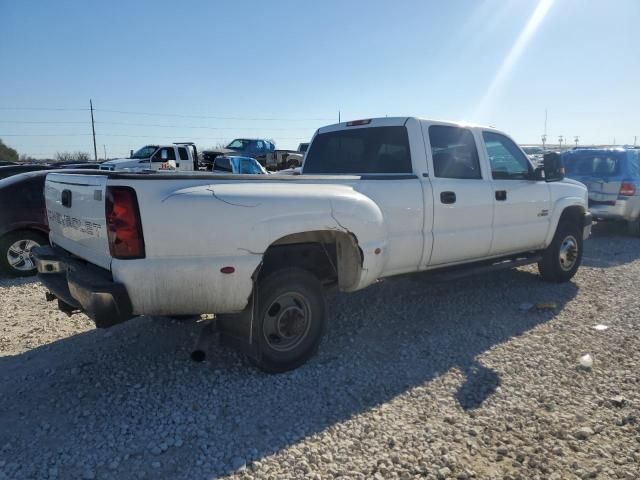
16	258
289	319
561	259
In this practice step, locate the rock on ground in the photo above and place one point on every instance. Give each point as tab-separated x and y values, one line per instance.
415	380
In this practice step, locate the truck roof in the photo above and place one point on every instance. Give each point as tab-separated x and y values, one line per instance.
393	122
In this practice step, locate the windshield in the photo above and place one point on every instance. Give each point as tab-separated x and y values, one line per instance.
145	152
593	164
238	144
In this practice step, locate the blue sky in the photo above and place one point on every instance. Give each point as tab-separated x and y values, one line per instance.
280	69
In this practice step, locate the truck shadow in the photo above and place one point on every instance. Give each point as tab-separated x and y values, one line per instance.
135	381
610	245
7	281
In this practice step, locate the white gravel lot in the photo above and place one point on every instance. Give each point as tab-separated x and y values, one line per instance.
415	380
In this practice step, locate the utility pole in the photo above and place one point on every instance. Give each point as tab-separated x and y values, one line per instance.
93	129
560	142
635	140
544	141
338	116
575	139
105	151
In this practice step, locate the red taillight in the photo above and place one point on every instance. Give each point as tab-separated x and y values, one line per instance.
123	223
628	189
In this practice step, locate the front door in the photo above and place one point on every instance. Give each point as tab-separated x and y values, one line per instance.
463	205
522	204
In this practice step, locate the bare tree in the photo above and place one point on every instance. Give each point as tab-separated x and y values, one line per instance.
72	157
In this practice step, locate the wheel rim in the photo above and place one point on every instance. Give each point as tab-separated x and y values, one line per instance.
287	321
568	253
19	255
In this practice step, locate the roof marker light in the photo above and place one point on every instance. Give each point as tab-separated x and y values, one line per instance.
355	123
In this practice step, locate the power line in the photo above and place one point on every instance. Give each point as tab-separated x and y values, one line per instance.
121	135
126	124
214	116
46	109
178	115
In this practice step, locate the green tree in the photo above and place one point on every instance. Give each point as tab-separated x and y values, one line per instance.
7	153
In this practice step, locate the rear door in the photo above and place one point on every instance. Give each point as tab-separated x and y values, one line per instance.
602	171
522	204
77	217
462	200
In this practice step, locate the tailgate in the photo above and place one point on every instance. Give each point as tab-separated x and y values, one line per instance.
77	218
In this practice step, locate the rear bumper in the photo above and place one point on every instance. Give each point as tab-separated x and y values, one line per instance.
624	208
83	286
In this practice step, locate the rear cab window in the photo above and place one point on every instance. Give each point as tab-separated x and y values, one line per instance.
369	150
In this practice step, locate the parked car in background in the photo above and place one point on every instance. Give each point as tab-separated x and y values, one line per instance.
24	225
303	147
612	176
10	170
238	165
262	150
534	152
6	162
257	148
181	156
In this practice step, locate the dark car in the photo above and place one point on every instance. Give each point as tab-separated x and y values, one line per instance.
257	148
9	170
23	220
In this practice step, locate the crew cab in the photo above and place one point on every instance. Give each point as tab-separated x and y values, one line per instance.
181	157
376	198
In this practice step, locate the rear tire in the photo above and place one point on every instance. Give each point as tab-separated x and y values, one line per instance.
289	320
15	252
561	259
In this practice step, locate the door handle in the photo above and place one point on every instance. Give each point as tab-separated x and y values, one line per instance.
448	197
501	195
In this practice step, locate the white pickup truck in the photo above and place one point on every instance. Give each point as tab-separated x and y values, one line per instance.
181	156
377	198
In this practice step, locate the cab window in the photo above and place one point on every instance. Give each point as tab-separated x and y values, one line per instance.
506	159
184	155
170	154
222	165
454	153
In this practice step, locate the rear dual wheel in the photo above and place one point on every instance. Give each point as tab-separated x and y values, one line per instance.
283	324
289	319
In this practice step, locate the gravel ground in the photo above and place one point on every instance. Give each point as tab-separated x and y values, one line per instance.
471	379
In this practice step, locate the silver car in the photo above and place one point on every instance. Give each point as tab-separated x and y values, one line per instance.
612	176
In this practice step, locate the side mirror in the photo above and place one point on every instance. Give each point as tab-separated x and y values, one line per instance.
538	174
553	168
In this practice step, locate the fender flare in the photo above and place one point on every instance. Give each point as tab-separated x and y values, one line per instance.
558	208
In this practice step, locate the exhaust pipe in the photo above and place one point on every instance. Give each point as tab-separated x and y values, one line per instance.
205	338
